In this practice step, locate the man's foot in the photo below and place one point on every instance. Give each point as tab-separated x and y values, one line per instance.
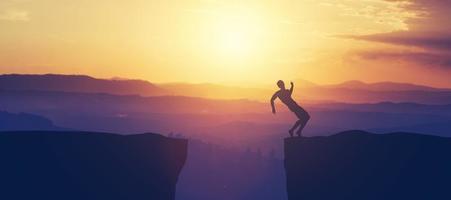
291	132
299	134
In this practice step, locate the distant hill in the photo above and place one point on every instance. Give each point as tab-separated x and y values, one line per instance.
385	86
24	121
438	128
389	107
78	83
215	91
74	103
353	95
133	113
306	92
349	92
356	165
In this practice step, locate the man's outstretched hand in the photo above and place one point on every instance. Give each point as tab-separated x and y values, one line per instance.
291	83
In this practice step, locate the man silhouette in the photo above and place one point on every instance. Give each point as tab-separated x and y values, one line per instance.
285	96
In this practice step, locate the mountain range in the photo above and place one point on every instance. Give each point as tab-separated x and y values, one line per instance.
78	83
25	121
385	86
349	92
222	121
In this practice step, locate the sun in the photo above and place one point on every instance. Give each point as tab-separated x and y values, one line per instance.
238	35
235	42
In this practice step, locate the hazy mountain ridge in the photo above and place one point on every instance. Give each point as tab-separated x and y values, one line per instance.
389	107
25	121
350	92
347	95
204	118
385	86
112	103
133	113
215	91
78	83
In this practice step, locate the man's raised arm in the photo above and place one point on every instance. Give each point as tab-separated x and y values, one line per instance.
274	97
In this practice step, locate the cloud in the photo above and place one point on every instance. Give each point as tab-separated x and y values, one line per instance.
424	59
431	15
429	29
14	15
424	40
386	13
429	33
11	10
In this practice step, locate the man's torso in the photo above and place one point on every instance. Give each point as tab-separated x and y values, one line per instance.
285	97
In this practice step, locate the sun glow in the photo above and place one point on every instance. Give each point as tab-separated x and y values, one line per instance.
232	42
235	42
238	35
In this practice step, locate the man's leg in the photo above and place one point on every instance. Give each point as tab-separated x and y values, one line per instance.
294	127
304	121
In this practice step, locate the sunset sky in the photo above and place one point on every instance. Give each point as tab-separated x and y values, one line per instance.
253	42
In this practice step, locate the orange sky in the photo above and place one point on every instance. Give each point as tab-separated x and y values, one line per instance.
254	42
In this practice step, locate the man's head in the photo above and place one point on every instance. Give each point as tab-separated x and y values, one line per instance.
281	84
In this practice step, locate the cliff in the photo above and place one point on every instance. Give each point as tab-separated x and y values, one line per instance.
361	166
86	165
